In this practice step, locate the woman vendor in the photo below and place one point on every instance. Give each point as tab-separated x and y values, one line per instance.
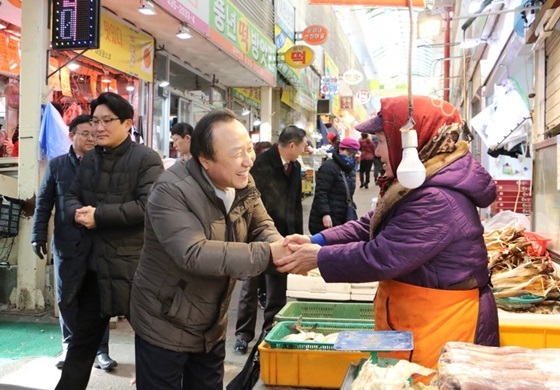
425	246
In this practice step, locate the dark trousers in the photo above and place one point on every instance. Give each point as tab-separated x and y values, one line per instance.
68	316
158	368
90	327
247	309
365	169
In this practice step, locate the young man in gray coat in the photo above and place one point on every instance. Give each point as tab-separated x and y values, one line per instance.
206	226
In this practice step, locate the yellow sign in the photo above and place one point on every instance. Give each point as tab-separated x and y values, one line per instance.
124	48
299	56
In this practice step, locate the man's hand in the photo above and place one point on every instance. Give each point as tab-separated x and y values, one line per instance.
327	221
85	216
297	239
40	249
302	260
278	250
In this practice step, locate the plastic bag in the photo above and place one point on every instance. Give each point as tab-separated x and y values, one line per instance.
53	137
506	219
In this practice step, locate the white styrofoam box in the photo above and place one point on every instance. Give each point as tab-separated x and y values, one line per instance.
316	284
365	297
359	286
325	296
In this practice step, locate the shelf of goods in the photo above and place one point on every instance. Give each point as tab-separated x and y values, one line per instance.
511	193
314	287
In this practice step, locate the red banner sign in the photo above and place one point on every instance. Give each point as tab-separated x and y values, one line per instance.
315	35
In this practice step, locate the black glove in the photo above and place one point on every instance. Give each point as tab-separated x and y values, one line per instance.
40	249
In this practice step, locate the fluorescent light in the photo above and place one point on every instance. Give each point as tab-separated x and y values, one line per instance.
164	83
73	66
184	32
147	8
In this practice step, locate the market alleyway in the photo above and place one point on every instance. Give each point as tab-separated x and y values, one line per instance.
40	373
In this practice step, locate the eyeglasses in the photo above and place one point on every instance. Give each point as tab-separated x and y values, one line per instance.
105	122
87	134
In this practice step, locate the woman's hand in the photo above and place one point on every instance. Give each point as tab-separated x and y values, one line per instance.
297	239
303	260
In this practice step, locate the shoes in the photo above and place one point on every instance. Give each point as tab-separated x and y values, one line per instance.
240	347
104	362
362	185
366	186
262	300
61	358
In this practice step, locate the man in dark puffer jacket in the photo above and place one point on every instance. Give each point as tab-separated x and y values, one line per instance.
57	180
108	197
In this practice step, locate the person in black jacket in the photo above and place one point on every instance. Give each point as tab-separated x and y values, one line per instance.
277	175
59	175
108	198
329	203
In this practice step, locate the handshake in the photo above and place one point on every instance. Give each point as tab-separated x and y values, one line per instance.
295	254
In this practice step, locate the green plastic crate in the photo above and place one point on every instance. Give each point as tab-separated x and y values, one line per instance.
282	329
326	311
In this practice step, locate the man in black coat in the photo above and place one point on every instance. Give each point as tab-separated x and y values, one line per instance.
277	175
108	198
59	175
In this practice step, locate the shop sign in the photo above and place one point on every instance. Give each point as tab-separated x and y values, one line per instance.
195	13
306	101
315	35
346	102
250	96
283	44
329	86
363	96
330	67
124	48
9	54
299	56
285	17
371	3
235	34
352	77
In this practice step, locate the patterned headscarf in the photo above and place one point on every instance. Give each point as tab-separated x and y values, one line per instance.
431	117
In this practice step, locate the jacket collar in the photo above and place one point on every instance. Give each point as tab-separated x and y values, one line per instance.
396	192
117	150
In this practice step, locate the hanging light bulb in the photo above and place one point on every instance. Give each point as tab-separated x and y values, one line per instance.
73	66
147	8
130	87
106	79
184	32
245	111
411	173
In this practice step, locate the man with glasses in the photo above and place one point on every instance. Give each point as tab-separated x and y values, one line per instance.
59	175
107	199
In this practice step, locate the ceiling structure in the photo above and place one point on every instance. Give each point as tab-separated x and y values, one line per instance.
380	38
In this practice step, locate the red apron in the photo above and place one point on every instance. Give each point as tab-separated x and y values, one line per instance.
433	316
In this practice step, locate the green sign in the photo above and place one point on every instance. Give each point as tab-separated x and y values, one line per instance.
238	36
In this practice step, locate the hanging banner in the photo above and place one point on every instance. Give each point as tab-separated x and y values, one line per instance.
239	37
9	54
124	48
315	35
299	56
250	96
371	3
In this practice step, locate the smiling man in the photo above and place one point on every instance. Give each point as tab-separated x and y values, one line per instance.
107	201
205	227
